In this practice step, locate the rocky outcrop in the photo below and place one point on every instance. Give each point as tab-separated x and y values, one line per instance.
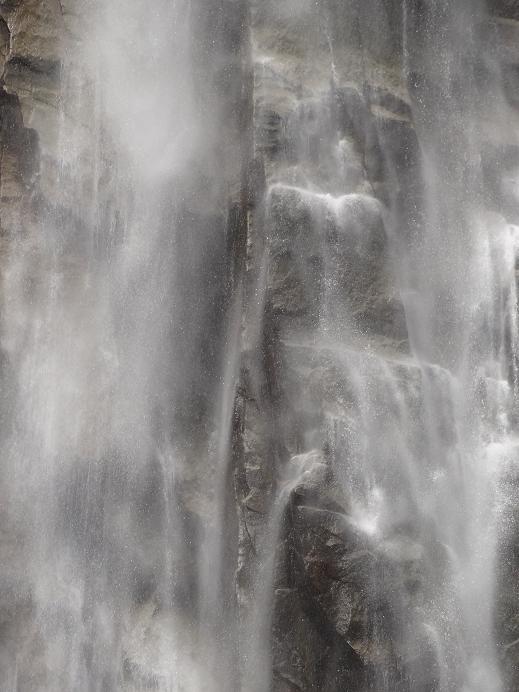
336	137
336	142
30	91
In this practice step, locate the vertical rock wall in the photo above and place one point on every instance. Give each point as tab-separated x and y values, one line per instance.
318	164
337	186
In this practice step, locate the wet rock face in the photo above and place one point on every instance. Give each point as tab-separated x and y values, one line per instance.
332	159
504	8
30	58
329	262
336	136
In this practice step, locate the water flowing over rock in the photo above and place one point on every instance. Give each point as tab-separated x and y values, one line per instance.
259	345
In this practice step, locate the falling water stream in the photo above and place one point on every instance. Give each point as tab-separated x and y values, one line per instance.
125	325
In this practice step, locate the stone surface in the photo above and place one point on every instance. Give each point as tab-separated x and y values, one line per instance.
330	146
504	8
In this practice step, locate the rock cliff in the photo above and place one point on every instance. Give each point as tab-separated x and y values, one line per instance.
317	138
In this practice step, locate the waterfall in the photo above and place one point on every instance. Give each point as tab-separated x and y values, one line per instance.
259	345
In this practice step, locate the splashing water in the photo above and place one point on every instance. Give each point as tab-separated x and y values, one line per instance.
223	344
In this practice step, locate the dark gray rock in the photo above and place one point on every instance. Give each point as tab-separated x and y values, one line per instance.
329	262
504	8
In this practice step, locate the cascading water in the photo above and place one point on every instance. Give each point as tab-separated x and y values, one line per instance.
259	346
101	317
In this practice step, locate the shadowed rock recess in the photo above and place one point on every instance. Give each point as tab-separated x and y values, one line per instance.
259	345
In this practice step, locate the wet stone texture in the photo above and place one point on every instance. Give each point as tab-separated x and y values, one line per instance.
331	148
335	135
